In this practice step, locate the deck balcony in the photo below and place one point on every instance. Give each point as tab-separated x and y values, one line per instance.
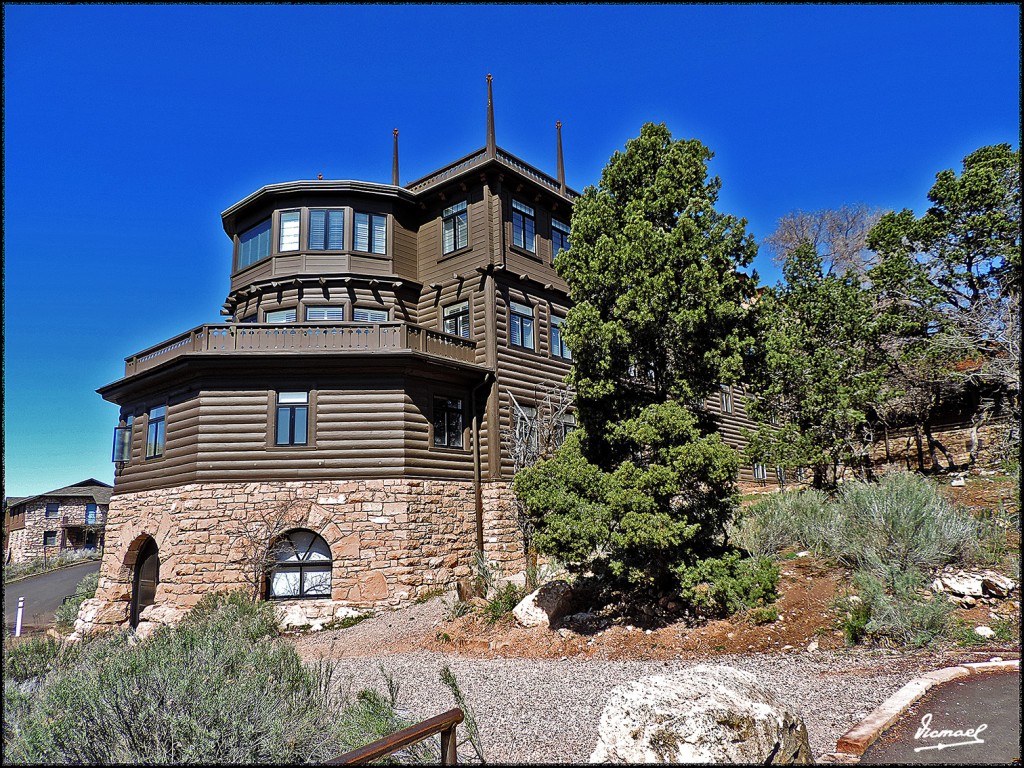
305	338
83	520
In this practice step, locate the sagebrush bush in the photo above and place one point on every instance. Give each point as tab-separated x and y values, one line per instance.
219	688
894	612
901	522
722	586
68	611
791	519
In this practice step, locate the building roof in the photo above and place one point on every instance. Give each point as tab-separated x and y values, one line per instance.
92	488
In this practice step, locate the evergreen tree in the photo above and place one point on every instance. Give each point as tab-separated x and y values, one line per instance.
643	488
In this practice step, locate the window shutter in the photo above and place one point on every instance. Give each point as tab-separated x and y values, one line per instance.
317	224
370	315
336	230
362	232
325	313
289	231
461	230
380	230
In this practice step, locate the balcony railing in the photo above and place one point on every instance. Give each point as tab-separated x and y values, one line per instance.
304	337
84	519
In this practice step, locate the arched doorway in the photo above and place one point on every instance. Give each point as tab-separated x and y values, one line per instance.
145	579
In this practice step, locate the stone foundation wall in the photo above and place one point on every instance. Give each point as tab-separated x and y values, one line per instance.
958	440
390	540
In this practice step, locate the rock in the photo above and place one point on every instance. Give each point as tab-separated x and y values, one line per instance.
544	606
705	714
937	585
583	623
145	630
804	553
996	585
161	614
468	588
968	602
986	632
516	579
291	616
963	584
813	646
958	482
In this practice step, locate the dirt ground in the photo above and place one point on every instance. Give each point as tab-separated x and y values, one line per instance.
808	619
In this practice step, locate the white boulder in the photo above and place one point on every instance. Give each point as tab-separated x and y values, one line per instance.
985	632
705	714
544	606
997	585
962	584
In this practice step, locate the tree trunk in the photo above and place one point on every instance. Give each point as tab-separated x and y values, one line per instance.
920	447
935	445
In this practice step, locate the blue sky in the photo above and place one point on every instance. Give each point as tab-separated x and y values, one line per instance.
128	129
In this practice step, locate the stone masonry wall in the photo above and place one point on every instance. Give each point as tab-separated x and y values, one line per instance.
391	540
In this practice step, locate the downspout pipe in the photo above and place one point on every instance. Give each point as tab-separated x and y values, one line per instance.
477	484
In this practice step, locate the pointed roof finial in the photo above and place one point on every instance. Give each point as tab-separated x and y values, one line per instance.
561	165
394	161
491	145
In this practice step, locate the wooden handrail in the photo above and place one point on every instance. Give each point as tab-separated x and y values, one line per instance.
443	724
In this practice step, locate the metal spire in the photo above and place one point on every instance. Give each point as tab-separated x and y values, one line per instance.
491	145
394	161
561	165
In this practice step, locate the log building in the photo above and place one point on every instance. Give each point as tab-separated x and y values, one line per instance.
382	344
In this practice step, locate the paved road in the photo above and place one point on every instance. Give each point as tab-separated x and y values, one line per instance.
43	595
985	710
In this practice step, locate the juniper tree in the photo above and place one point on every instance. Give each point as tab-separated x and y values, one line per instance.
644	486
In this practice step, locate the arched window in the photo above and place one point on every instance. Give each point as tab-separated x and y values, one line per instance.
302	566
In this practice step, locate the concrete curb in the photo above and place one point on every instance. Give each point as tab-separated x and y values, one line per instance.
855	742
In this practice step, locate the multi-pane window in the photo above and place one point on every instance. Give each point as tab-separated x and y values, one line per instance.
361	315
780	475
155	432
371	231
726	395
520	325
289	237
254	244
523	226
292	418
558	347
566	424
49	538
302	566
90	514
526	428
455	227
559	237
448	422
456	319
760	473
281	316
325	313
327	230
52	510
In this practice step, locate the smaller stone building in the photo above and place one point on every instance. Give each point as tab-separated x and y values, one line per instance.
70	518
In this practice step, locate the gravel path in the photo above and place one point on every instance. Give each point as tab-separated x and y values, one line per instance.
546	711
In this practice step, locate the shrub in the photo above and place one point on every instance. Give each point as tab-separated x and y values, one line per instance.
44	565
894	612
29	657
901	523
502	604
68	610
795	518
722	586
221	687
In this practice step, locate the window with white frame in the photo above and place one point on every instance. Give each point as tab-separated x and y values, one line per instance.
455	227
520	324
371	230
288	239
726	396
281	316
566	424
523	226
558	346
254	244
361	315
456	319
760	472
559	237
325	313
326	229
302	566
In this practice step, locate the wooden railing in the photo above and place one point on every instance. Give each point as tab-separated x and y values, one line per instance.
443	724
448	171
475	158
305	337
529	171
82	520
